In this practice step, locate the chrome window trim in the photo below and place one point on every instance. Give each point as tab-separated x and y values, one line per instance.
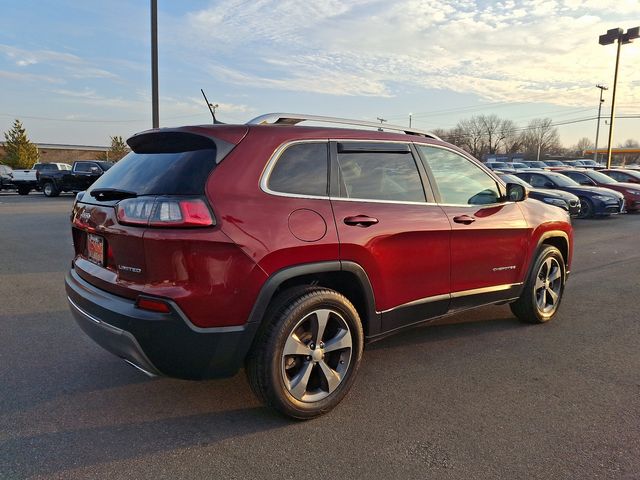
461	293
266	172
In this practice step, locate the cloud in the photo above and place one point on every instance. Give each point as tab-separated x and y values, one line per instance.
513	50
67	64
29	77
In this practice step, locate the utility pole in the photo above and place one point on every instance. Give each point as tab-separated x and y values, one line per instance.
381	120
154	65
410	119
595	150
613	35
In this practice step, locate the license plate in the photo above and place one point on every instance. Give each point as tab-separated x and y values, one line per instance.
95	249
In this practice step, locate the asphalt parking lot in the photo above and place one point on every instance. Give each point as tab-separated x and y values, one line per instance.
480	396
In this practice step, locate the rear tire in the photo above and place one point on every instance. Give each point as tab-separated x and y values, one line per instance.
50	190
542	294
23	190
306	355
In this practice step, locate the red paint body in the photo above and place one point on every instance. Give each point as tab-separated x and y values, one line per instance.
215	274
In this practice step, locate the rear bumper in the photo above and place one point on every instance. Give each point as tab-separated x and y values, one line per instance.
157	343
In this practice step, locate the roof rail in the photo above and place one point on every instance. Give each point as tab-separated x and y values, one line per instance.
295	118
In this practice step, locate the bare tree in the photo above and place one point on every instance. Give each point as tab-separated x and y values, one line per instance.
491	126
540	138
511	138
583	144
469	135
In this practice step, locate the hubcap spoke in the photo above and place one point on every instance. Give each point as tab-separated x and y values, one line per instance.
320	323
300	381
553	295
294	346
555	274
341	341
539	283
332	377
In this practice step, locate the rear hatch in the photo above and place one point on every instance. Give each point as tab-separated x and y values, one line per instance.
159	185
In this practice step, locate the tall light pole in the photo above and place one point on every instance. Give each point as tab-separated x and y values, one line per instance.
155	116
410	119
607	39
602	89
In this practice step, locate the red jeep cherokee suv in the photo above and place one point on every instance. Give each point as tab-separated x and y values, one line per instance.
285	248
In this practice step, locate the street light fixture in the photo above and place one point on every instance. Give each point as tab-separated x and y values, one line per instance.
607	39
602	89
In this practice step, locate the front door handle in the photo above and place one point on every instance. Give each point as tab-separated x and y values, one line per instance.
360	221
464	219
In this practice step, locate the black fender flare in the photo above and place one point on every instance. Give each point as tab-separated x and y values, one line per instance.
278	278
541	240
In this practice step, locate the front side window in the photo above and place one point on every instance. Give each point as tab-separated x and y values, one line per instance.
460	181
302	169
390	176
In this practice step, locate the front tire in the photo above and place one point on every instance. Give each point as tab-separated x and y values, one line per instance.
540	299
586	208
306	356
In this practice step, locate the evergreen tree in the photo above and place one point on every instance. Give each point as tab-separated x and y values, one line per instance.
19	151
117	150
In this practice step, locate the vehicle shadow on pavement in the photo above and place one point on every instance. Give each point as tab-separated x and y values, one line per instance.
54	452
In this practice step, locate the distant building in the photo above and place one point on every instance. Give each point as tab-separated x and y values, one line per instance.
54	152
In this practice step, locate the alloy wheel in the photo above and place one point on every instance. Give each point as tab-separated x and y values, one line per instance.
548	286
316	355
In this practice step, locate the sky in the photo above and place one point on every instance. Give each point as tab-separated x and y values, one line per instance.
77	72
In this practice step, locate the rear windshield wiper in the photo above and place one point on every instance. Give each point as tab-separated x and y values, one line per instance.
112	194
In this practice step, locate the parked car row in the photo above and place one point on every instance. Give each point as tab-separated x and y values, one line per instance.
53	178
593	192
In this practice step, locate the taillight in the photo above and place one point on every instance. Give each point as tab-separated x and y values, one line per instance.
165	212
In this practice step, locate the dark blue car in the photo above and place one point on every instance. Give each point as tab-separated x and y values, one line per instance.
593	200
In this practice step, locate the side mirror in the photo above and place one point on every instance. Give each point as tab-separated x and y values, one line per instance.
586	182
549	185
516	192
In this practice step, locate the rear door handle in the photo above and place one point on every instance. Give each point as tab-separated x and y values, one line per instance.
360	221
464	219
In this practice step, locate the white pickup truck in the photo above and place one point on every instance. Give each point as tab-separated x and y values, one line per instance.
27	180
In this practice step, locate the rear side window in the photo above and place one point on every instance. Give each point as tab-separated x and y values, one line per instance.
181	173
387	176
301	169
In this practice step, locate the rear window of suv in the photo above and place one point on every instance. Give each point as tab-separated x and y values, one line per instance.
181	173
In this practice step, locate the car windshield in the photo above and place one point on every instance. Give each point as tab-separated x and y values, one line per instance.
514	179
536	164
589	163
601	177
498	165
554	163
519	165
562	180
